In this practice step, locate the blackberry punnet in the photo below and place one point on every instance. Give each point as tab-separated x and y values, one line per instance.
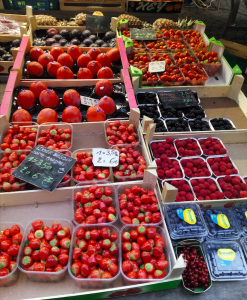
163	147
199	125
221	124
206	189
193	113
170	112
177	125
188	147
160	126
149	111
212	146
147	98
184	190
222	166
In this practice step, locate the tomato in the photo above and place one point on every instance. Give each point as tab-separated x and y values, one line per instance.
94	66
104	59
64	73
83	60
114	54
84	73
47	115
52	68
44	59
108	105
71	97
94	52
21	115
95	114
74	51
105	73
35	53
103	88
26	99
37	87
48	99
35	69
65	60
71	114
56	51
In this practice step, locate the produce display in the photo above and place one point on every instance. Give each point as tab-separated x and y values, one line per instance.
95	205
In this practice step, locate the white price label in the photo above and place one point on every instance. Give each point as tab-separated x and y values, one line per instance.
105	157
157	66
89	101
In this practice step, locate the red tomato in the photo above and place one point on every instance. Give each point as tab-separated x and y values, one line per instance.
35	53
35	69
47	115
94	52
37	87
83	60
52	68
56	51
105	73
48	99
108	105
71	97
95	114
44	59
64	73
74	51
21	115
65	60
84	73
104	59
26	99
114	54
103	88
94	66
71	114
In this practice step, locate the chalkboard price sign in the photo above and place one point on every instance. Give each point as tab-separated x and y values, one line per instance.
44	168
178	98
98	23
143	34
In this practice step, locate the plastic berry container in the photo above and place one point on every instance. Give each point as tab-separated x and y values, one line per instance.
234	175
170	178
140	98
145	109
185	221
199	239
187	129
136	147
243	242
91	282
211	68
164	236
206	178
184	139
225	119
173	154
222	156
44	276
157	50
60	125
125	121
80	188
169	81
178	198
206	122
189	81
88	182
13	276
193	174
225	260
221	224
240	212
214	139
148	186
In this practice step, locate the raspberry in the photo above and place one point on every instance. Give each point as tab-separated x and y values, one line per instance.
235	193
237	187
200	198
203	193
196	188
228	172
243	186
181	182
167	147
236	180
222	151
169	140
210	161
220	195
186	188
213	196
243	194
193	182
228	178
189	197
174	183
228	194
189	165
161	150
213	188
154	146
160	173
158	162
234	171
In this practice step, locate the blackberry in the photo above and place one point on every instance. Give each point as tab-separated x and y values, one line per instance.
195	112
199	125
221	124
178	125
149	111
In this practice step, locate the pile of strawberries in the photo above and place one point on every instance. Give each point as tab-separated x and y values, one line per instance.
10	240
139	59
221	166
10	161
184	190
119	133
137	205
163	57
131	163
164	147
94	205
19	137
47	249
233	187
172	34
95	255
195	167
157	45
168	168
143	254
184	58
206	189
84	169
188	147
171	77
55	138
212	146
176	45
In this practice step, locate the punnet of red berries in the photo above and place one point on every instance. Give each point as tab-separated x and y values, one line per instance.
196	273
222	165
184	190
206	189
168	167
163	147
233	186
212	146
195	167
188	147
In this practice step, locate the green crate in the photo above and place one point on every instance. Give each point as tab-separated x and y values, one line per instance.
234	60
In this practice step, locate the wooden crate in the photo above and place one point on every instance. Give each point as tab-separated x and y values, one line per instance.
118	6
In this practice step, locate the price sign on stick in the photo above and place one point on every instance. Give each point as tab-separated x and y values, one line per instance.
157	66
89	101
105	157
44	168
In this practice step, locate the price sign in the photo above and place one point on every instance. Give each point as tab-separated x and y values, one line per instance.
89	101
44	168
157	66
98	23
105	157
178	98
143	34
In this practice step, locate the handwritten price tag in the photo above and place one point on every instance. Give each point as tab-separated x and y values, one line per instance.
157	66
89	101
105	157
